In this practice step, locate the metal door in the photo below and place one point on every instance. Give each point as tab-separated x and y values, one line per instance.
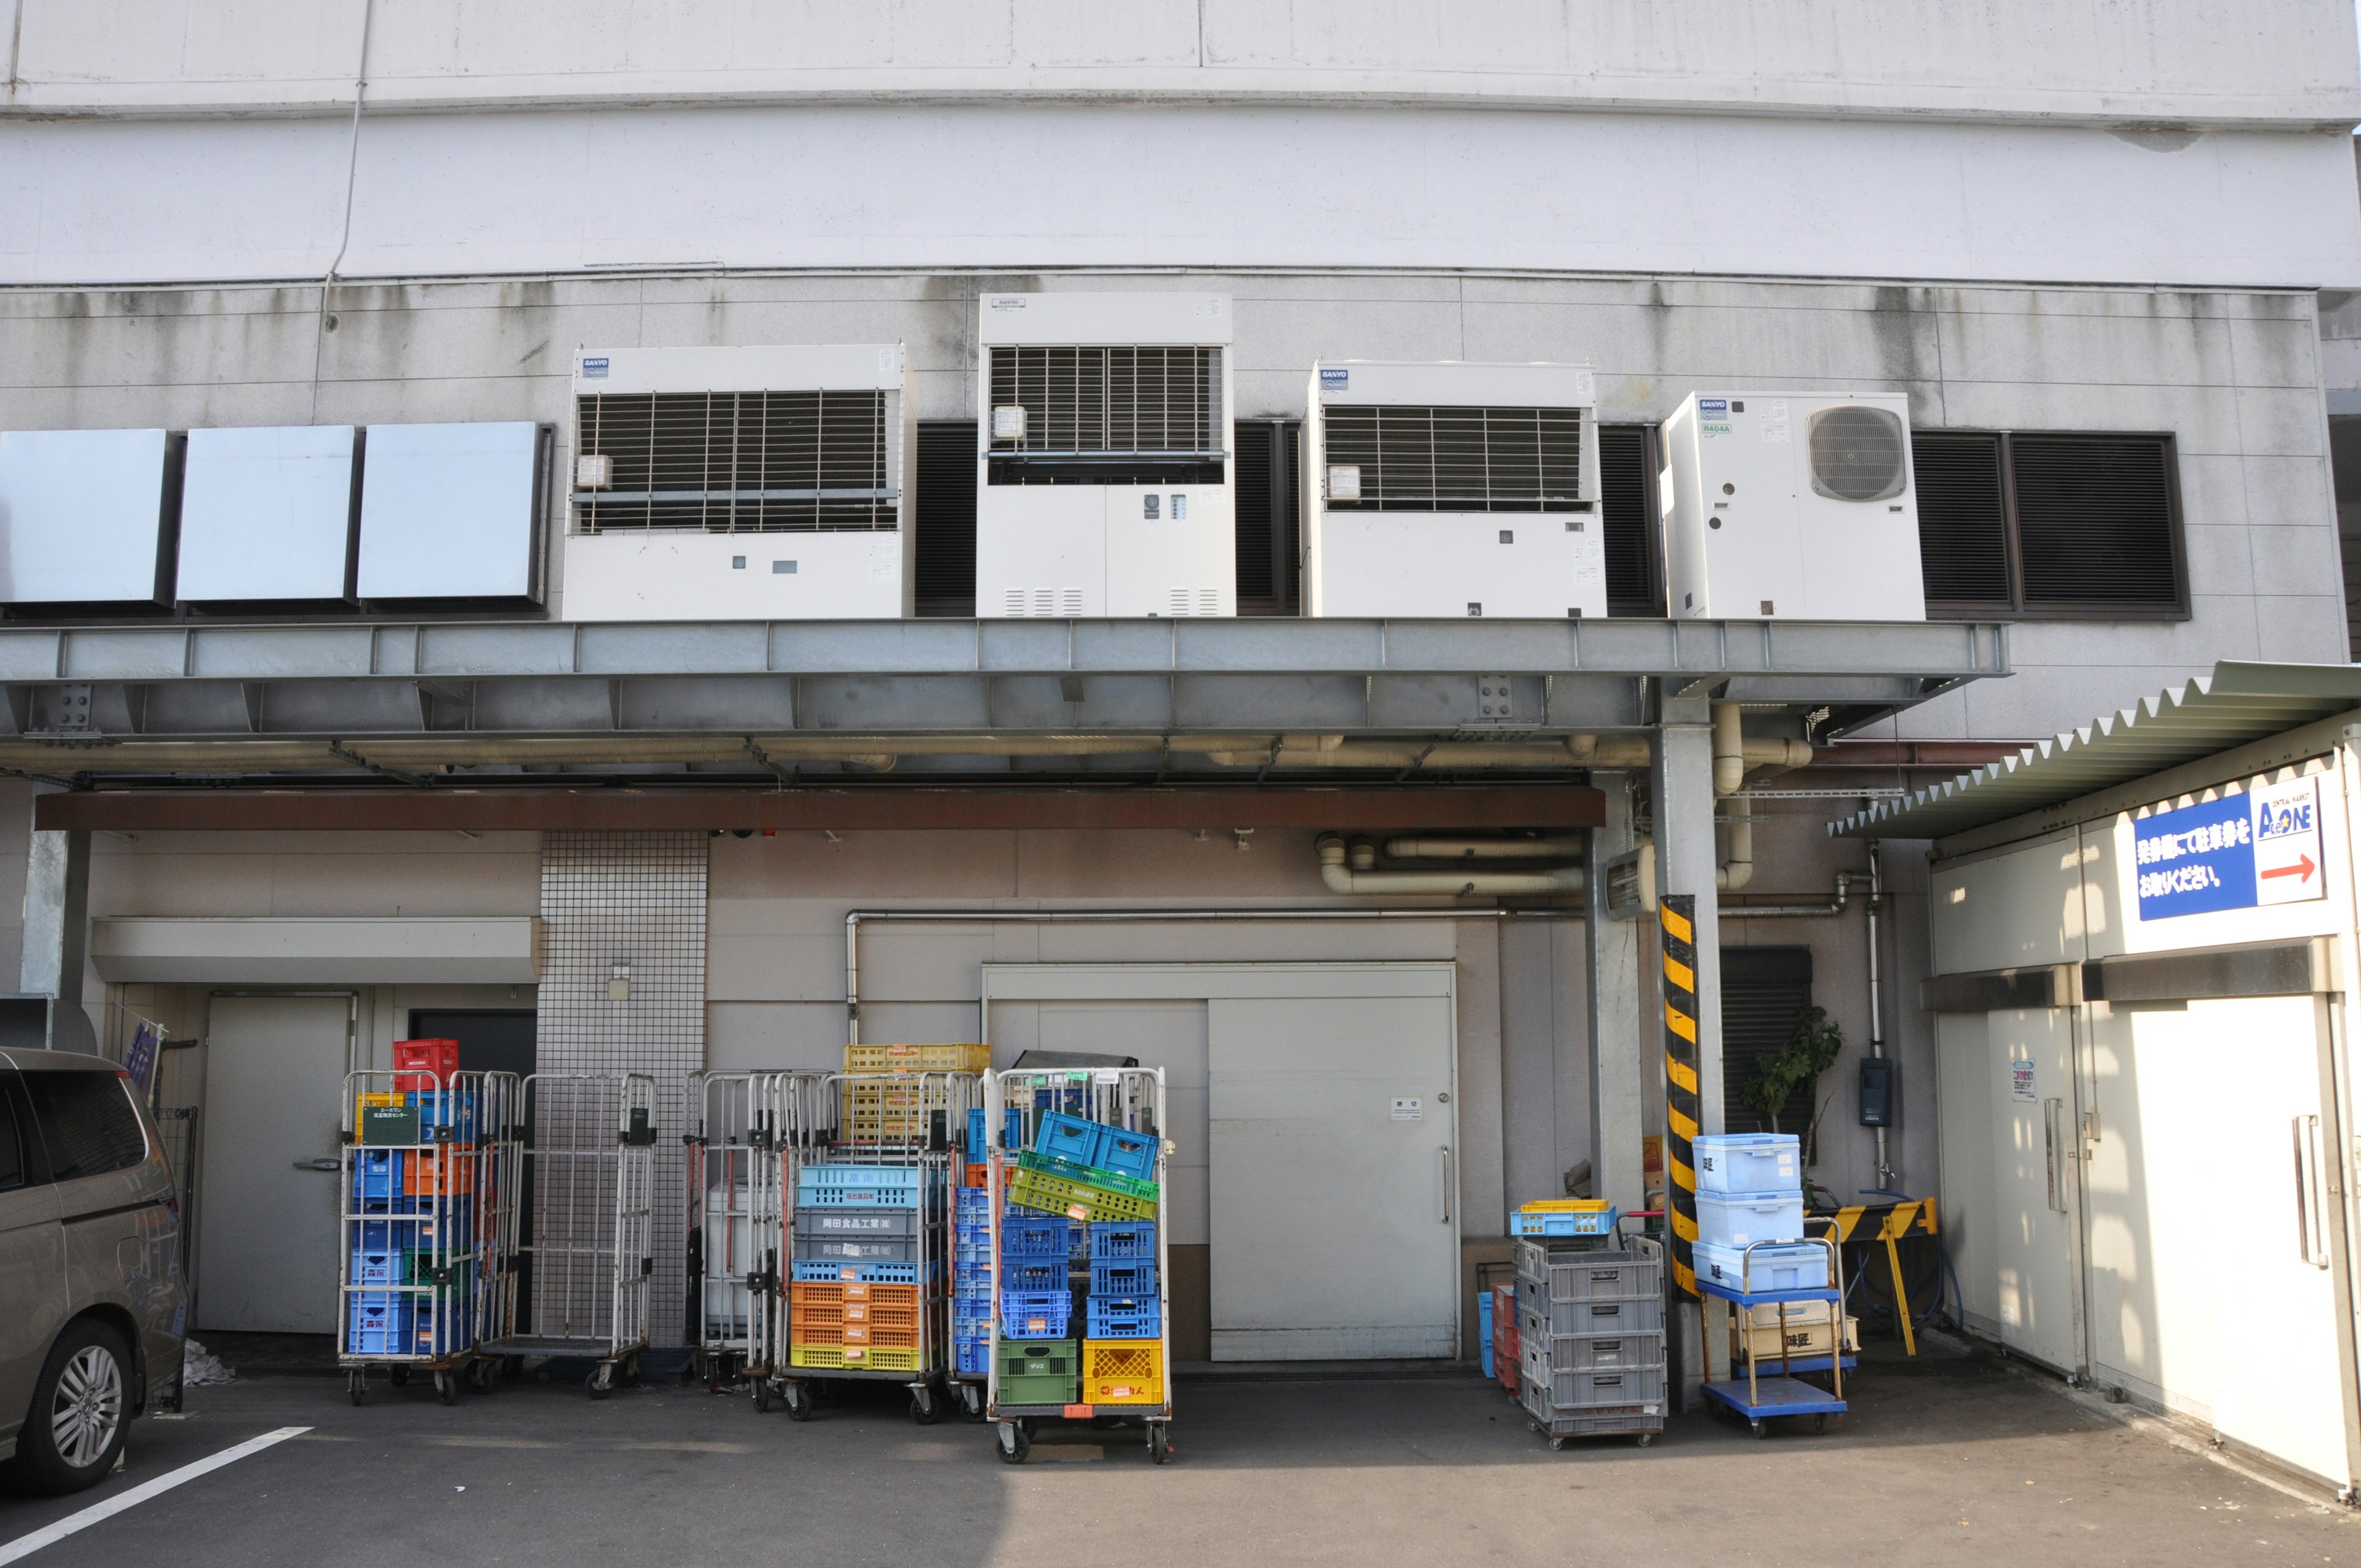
267	1255
1334	1202
2029	1074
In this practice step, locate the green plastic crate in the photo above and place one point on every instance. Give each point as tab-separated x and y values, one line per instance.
1051	1389
1040	1358
1049	1194
1089	1175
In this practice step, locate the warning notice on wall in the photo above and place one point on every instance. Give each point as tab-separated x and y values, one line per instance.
1408	1111
2020	1079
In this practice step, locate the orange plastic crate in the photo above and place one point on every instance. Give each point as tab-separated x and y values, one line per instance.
444	1171
918	1058
881	1315
877	1337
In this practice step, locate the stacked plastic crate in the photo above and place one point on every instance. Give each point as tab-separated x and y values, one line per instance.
1591	1323
413	1235
1751	1236
971	1282
1102	1177
860	1274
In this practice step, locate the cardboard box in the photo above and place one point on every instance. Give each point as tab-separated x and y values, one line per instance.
1809	1335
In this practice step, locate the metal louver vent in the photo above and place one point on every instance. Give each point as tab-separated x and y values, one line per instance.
2094	520
1628	520
1962	517
1762	990
1110	415
1459	460
1857	454
945	513
738	462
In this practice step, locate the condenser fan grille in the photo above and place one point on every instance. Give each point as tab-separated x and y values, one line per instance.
1858	453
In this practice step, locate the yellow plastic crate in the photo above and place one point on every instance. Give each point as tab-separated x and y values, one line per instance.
1122	1372
853	1358
918	1058
361	1103
1566	1206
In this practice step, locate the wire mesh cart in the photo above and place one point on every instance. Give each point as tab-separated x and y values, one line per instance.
866	1210
1761	1399
588	1181
737	1158
1077	1175
423	1265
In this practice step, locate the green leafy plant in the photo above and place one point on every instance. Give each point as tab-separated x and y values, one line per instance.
1811	1049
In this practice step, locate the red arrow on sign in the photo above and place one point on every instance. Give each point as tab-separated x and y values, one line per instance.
2301	869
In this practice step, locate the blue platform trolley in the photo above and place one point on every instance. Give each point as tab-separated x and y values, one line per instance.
422	1259
1761	1397
1087	1147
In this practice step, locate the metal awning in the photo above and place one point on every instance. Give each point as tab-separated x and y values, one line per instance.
2238	703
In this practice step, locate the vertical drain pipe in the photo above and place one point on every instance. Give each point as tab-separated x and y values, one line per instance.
1876	1006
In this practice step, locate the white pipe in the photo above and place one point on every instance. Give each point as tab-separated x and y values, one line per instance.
1877	1007
1552	848
1738	870
1359	878
1733	753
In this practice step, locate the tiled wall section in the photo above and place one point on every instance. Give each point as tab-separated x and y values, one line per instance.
636	899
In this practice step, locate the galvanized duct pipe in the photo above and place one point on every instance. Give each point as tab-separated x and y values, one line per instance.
1549	849
1352	868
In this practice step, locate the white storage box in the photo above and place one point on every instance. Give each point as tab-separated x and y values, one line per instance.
1737	1219
1782	1266
1749	1162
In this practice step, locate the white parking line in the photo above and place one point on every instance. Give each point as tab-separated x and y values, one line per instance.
50	1535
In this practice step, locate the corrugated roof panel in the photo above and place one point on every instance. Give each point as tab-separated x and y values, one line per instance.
2239	703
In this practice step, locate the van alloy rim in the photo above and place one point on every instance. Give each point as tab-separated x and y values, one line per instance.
88	1407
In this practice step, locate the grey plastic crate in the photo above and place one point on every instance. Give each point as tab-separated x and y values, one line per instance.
859	1249
1584	1277
1564	1389
1633	1421
1605	1352
1636	1315
870	1224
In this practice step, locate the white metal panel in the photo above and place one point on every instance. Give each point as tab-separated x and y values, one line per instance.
1159	566
2010	909
1547	564
1455	383
1745	529
267	514
316	950
675	574
786	367
2035	1190
447	511
81	515
1335	1210
1104	319
1966	1198
267	1232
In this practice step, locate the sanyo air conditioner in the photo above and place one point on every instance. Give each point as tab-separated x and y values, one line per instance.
1103	434
1790	506
1452	489
740	484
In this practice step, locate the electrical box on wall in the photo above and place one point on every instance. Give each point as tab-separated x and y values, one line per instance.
1452	489
1877	1092
724	484
1790	506
1103	434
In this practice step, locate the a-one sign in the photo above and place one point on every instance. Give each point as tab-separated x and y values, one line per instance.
2262	846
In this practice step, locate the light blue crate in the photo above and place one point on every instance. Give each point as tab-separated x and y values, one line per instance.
871	1271
860	1186
1562	1223
1780	1265
1741	1219
1749	1162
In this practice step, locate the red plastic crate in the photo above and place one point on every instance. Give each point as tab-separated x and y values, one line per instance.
1504	1335
425	1064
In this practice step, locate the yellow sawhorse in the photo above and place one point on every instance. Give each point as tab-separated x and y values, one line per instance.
1889	1223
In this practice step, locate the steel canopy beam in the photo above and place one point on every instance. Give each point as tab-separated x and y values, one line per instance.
1370	810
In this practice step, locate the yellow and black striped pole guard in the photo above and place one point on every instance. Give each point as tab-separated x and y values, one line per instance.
1676	917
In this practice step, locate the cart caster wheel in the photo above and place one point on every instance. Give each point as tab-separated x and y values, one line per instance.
1647	1438
971	1402
1820	1425
1160	1443
482	1376
512	1368
1015	1443
399	1376
925	1409
1532	1426
1762	1429
1557	1445
762	1396
632	1370
798	1402
446	1388
602	1381
357	1386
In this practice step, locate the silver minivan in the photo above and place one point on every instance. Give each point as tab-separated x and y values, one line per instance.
90	1293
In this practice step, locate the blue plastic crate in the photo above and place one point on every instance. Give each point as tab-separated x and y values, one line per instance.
860	1186
975	1358
1122	1241
1035	1314
380	1268
377	1174
1068	1137
1033	1273
830	1271
1123	1279
973	1203
965	1234
1114	1318
1036	1235
387	1235
975	1146
445	1332
1127	1154
443	1116
1484	1329
376	1322
1562	1222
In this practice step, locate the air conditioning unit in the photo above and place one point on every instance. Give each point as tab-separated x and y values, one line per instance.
723	484
1104	433
1452	489
1790	506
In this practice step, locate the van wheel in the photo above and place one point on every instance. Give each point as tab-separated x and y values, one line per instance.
79	1412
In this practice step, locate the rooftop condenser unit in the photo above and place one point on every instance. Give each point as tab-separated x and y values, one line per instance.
1790	506
1452	489
1104	433
721	484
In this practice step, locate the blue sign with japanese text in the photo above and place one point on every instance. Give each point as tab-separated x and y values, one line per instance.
2196	859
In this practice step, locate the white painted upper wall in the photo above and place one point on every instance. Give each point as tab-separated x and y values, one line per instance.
2203	62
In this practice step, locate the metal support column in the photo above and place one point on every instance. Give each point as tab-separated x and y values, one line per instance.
57	934
1619	1038
1687	861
